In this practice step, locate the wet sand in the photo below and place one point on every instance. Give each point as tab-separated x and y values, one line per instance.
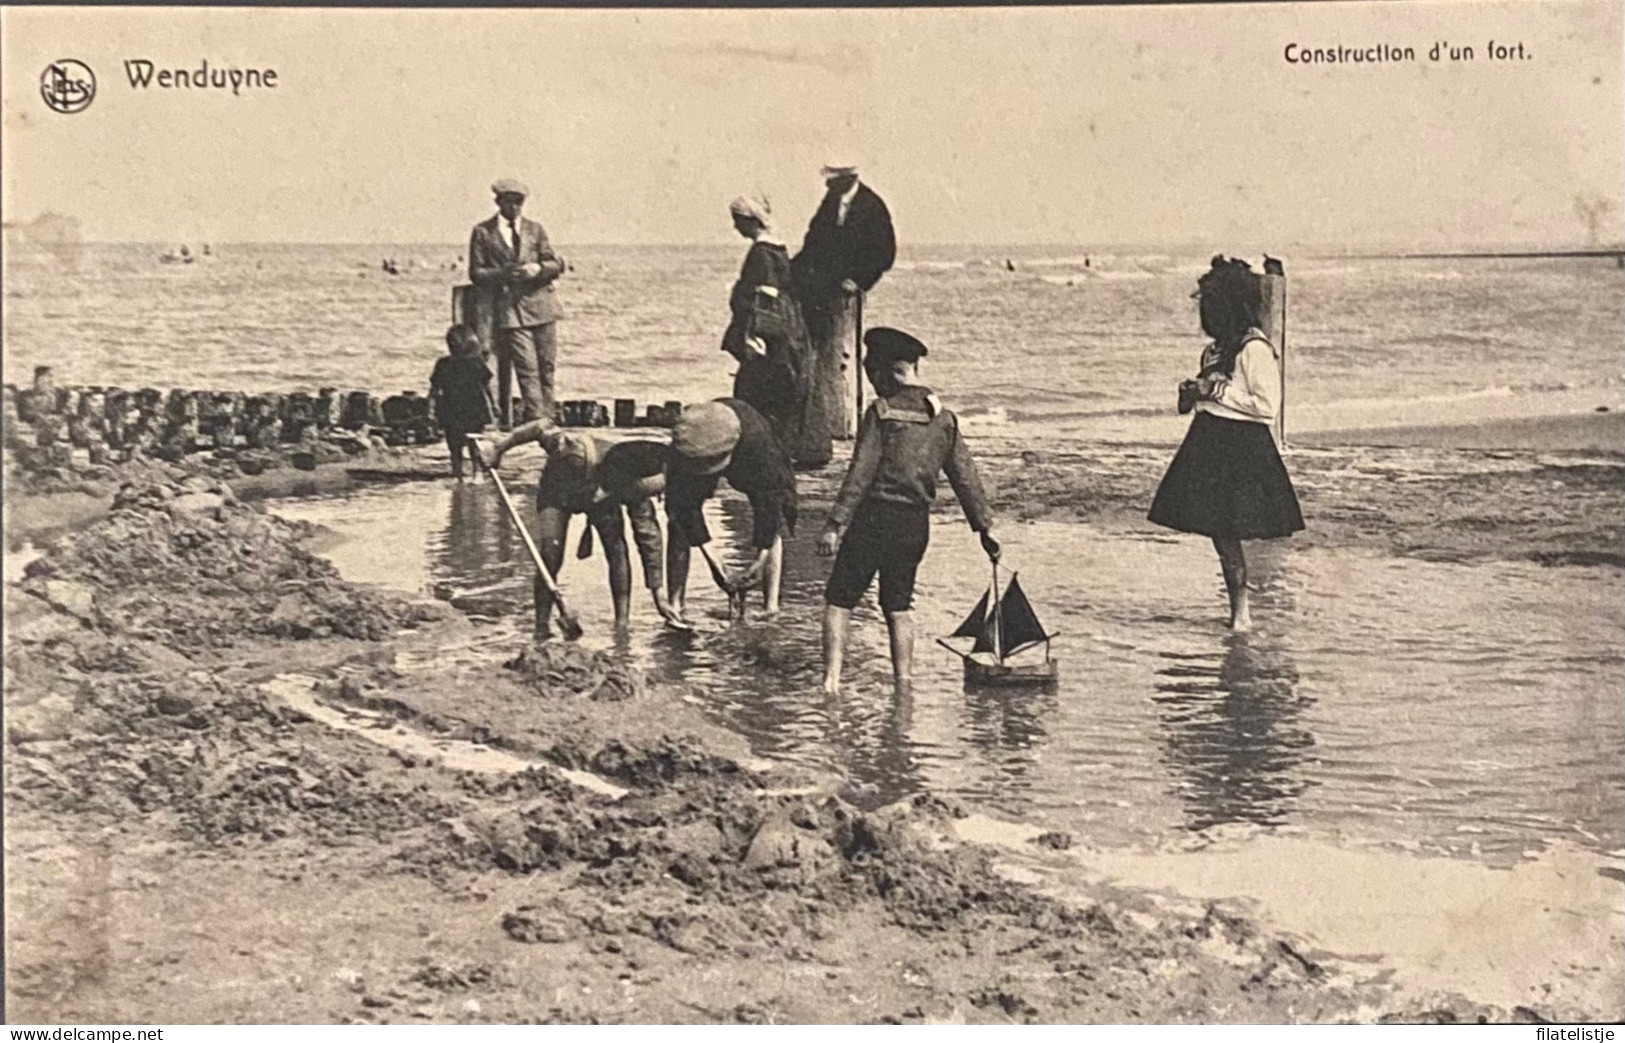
1600	432
1550	490
240	788
190	839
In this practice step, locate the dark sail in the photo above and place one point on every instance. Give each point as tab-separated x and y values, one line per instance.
1019	628
978	625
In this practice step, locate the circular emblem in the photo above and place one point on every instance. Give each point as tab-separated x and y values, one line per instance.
67	85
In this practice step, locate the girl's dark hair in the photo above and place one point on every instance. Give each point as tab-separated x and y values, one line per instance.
1231	302
462	341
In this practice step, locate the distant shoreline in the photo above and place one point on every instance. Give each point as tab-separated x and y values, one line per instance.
1617	254
1098	249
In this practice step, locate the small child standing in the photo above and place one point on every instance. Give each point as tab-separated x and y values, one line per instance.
881	521
458	389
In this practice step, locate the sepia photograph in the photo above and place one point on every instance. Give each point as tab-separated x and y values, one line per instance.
1104	514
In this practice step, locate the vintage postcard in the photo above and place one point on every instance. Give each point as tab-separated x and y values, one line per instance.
1099	514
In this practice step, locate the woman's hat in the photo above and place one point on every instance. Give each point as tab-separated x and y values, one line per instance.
755	207
704	437
886	345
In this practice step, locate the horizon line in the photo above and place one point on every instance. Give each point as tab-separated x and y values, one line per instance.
1194	245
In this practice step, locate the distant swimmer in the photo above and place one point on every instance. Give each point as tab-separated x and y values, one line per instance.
1009	265
1227	481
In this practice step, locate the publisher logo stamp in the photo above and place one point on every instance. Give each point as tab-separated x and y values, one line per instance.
68	85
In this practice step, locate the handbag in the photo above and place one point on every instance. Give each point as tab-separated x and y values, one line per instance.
1187	396
769	314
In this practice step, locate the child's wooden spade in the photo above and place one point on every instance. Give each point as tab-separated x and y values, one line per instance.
736	595
569	626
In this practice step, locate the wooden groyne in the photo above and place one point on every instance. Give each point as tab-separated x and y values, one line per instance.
85	428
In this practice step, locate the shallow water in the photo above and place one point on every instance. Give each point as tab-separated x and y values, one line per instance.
1469	709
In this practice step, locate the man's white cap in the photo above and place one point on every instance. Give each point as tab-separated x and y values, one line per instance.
839	168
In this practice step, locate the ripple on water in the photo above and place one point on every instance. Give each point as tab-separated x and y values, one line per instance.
1383	697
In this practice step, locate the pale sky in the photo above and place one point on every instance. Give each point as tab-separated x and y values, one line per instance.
1094	125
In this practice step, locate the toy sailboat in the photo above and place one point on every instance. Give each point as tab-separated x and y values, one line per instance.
1002	626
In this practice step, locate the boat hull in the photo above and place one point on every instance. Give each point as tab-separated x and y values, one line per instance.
1012	675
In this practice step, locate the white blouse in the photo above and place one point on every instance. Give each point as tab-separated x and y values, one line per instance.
1253	392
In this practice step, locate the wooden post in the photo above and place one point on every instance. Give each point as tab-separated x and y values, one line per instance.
471	307
857	367
1274	318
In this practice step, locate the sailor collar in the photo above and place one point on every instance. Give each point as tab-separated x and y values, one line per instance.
907	412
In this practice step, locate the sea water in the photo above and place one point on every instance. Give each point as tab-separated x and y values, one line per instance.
1087	344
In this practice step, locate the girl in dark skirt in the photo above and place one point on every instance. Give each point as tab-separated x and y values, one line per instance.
1227	481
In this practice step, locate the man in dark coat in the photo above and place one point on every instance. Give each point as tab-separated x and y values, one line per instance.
850	243
510	258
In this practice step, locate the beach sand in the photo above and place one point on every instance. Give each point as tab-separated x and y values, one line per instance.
238	791
188	842
1550	490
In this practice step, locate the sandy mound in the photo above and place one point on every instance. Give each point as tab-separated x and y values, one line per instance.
186	564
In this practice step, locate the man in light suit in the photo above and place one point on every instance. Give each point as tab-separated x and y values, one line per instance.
510	259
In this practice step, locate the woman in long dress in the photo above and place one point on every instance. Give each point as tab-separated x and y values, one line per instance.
1227	481
766	333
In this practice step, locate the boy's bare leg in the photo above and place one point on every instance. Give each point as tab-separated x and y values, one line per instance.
900	627
677	556
835	625
620	583
1233	562
612	538
773	577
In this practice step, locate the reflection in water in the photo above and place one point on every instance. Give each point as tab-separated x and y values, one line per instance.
1003	725
1503	728
478	550
1006	718
1233	731
762	677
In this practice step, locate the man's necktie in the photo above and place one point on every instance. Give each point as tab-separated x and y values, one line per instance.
513	226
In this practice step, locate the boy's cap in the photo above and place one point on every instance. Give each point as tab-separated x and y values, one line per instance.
886	345
578	447
704	437
510	186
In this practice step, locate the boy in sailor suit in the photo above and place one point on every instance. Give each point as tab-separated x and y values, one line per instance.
881	521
